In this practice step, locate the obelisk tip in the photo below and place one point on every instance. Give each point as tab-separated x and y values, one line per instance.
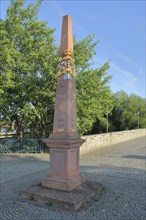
66	16
67	36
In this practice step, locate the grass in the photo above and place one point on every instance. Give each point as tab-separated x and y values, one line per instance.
31	198
49	203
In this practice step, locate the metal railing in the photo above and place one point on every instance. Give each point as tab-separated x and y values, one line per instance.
22	145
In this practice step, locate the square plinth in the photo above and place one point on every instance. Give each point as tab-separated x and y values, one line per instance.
64	169
64	163
73	200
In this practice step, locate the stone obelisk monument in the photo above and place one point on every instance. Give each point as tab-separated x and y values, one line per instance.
65	142
64	185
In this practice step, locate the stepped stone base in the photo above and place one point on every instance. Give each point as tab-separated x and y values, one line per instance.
73	200
63	184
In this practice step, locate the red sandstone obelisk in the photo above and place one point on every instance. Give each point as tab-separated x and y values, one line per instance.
65	142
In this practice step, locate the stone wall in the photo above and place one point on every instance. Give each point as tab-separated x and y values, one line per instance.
106	139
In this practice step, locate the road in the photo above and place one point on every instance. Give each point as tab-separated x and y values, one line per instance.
120	168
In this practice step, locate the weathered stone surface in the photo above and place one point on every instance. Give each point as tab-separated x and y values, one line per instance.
73	200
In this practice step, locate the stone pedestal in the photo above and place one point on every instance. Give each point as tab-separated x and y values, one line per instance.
64	165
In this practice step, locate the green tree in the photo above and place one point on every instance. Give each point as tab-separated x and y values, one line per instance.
28	66
28	62
94	97
120	102
134	113
129	112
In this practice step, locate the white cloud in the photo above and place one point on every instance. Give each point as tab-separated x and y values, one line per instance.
129	81
131	63
80	28
59	9
123	79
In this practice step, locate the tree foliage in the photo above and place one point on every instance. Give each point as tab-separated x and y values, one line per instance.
28	62
28	74
28	70
129	112
93	97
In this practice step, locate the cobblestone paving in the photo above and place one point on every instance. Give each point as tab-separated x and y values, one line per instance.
120	168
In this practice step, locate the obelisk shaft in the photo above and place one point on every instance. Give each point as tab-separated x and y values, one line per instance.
65	118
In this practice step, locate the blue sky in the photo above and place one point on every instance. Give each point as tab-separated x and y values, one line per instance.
118	25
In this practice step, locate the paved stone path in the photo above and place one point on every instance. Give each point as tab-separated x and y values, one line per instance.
120	168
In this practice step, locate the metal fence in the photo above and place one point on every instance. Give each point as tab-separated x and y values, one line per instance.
22	145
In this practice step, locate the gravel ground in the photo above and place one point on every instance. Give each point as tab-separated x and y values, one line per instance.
120	168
